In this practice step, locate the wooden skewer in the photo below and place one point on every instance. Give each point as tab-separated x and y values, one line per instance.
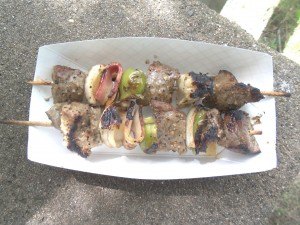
27	123
255	132
40	82
268	93
49	124
276	93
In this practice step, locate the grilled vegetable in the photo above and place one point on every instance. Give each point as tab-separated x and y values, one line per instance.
111	127
192	87
149	144
92	83
203	131
134	126
133	84
109	84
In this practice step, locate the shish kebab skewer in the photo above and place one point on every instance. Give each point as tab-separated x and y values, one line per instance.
83	128
221	91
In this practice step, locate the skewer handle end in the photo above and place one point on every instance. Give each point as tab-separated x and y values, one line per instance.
40	82
27	123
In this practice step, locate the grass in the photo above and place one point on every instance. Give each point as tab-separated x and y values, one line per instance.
284	20
288	209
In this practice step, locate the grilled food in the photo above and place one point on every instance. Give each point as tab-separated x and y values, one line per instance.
79	124
161	83
236	127
170	127
222	91
215	119
68	84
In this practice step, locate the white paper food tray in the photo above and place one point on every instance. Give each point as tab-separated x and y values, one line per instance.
45	144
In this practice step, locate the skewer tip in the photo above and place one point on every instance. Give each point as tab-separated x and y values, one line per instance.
276	93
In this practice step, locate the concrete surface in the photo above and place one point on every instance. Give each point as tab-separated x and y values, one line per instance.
36	194
251	15
292	48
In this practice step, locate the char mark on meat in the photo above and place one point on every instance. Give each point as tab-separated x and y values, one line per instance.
236	136
72	144
79	125
229	94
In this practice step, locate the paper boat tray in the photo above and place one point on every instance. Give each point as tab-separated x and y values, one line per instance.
45	144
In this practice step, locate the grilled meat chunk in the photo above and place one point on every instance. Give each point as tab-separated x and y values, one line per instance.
236	137
221	91
171	127
54	114
161	82
68	84
224	79
228	94
79	124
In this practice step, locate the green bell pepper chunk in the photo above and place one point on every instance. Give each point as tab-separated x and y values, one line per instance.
133	84
149	144
199	118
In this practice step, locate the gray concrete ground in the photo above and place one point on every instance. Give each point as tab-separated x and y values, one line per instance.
37	194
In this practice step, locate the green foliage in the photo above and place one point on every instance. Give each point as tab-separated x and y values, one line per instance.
288	209
284	20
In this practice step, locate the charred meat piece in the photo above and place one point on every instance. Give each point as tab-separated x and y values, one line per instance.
224	79
236	136
228	94
222	91
79	124
161	82
171	127
68	84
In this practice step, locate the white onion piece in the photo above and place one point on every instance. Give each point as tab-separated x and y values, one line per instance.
92	82
134	127
190	141
111	127
185	88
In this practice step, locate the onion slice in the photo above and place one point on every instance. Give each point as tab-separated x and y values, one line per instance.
109	84
92	82
111	127
190	139
134	126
